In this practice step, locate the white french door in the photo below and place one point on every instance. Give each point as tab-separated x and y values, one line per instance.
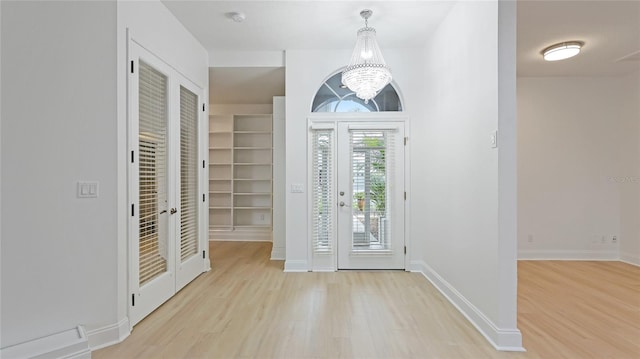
357	190
164	182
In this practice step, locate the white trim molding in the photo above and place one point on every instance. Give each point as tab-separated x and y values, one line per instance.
278	253
630	258
72	343
108	335
292	266
239	236
569	255
501	339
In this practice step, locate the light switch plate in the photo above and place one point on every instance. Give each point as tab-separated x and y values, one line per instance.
87	189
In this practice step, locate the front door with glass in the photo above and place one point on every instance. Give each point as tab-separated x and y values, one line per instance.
370	195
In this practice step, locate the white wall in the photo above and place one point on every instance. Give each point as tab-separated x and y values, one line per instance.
306	71
578	167
463	211
64	259
629	183
58	126
240	109
279	176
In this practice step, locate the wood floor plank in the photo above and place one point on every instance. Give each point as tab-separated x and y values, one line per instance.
247	307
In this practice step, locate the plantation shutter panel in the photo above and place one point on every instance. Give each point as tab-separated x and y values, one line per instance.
323	210
152	116
188	174
372	154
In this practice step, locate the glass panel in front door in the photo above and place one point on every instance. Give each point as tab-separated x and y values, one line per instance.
369	172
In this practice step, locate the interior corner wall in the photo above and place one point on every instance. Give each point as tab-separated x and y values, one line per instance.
630	181
59	252
306	71
456	206
578	168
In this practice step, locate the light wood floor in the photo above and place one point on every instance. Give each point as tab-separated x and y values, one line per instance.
246	307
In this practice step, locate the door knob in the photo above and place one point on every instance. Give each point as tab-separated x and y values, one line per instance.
173	211
341	204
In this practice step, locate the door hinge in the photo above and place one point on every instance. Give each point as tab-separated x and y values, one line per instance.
405	250
132	210
203	197
405	195
203	255
133	300
202	107
202	163
132	155
131	66
405	140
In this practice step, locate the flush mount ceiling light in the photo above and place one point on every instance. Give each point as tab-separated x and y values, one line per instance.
563	50
367	73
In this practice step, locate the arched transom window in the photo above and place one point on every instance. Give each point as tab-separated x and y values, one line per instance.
335	97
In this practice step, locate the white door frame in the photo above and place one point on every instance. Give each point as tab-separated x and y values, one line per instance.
330	120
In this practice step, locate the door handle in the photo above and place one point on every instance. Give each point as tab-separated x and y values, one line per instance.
163	211
173	211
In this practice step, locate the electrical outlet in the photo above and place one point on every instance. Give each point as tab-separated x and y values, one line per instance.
614	240
262	217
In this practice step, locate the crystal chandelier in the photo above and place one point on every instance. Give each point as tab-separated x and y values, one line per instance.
367	72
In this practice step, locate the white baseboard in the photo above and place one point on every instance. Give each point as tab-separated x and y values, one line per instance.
501	339
241	235
568	255
109	335
630	258
278	254
70	344
296	266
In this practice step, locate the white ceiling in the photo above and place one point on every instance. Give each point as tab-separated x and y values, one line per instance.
610	29
303	24
245	85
